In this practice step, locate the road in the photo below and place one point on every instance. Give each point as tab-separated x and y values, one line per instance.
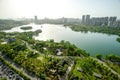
18	67
104	64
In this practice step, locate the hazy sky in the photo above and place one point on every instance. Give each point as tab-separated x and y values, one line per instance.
58	8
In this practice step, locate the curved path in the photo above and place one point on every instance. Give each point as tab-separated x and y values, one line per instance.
104	64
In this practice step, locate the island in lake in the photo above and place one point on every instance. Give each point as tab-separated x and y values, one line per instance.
37	32
26	27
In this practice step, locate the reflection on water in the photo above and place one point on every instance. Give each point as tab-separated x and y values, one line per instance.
91	42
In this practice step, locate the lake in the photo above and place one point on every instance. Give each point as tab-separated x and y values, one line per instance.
93	43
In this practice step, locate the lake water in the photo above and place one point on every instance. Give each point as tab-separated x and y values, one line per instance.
93	43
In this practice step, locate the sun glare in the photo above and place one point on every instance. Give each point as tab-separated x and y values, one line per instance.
42	8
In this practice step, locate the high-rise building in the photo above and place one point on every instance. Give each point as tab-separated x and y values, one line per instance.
87	19
64	20
105	21
117	23
111	21
102	21
83	19
35	19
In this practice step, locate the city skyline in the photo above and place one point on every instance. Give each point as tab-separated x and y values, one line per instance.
58	8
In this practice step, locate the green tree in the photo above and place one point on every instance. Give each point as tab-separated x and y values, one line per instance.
99	56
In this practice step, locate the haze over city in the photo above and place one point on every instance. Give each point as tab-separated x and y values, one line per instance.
58	8
59	39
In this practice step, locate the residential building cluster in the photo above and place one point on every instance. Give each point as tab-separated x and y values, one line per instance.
86	20
102	21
